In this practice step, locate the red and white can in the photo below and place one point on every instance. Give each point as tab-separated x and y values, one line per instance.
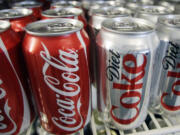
15	112
18	18
57	53
36	7
67	12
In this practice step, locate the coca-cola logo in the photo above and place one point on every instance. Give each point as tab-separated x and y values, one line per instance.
69	111
172	65
5	118
131	83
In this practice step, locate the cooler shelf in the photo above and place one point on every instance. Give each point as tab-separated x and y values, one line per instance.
154	125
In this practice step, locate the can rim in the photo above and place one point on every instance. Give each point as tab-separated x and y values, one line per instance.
27	12
128	13
52	21
5	24
161	20
139	11
44	13
23	3
139	20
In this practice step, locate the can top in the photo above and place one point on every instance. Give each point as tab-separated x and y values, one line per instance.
130	26
132	5
54	27
66	3
62	12
170	20
167	4
154	10
4	25
111	12
27	4
14	13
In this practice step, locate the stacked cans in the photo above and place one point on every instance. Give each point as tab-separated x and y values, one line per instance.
121	57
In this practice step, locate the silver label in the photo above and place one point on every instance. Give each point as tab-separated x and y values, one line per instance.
127	76
170	77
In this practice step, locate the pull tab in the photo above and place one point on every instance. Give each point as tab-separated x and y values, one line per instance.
63	12
59	27
125	25
13	13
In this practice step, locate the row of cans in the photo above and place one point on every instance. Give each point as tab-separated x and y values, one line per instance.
128	65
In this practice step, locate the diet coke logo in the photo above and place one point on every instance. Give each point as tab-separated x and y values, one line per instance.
172	65
131	84
69	111
4	119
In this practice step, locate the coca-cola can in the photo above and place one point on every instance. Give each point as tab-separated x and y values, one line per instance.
167	95
61	4
57	54
124	68
18	18
36	7
16	114
66	12
152	13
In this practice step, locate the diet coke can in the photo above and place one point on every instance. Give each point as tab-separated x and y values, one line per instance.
15	112
18	18
36	7
98	16
67	12
124	67
57	53
167	93
152	13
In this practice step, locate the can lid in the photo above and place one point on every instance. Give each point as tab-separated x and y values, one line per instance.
111	12
66	4
130	26
105	3
132	5
54	27
62	12
167	4
14	13
27	4
154	10
170	20
4	25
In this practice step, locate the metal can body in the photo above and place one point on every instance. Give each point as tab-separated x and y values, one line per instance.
57	62
34	6
68	12
152	13
18	18
169	50
15	112
124	69
98	16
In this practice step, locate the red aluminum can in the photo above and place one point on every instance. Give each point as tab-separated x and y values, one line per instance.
67	12
18	18
15	112
36	7
57	53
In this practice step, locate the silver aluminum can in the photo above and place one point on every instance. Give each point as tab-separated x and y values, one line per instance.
169	58
124	68
152	13
98	16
